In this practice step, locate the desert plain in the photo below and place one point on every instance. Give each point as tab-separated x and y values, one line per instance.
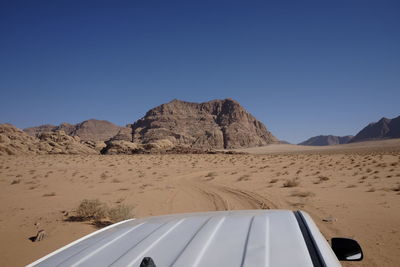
349	190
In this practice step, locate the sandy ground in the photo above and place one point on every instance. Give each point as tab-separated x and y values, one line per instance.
356	187
390	145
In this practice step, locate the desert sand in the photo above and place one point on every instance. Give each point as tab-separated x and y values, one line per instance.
350	191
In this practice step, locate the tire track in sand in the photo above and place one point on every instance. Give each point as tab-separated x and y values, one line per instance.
228	198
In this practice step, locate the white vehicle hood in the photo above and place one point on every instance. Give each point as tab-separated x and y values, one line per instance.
227	238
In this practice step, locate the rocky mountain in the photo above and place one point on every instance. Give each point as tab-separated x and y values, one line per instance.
89	130
383	129
174	127
326	140
216	124
34	131
13	141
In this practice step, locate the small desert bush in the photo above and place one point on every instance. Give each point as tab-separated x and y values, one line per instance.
92	209
16	181
396	188
52	194
273	181
323	178
211	174
120	213
98	212
123	189
291	183
302	194
243	178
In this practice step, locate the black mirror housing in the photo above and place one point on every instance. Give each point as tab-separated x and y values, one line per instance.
347	249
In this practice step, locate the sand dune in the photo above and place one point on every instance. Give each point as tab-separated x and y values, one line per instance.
351	190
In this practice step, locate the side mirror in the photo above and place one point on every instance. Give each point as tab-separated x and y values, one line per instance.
346	249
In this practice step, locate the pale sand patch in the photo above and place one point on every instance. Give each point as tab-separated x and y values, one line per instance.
352	147
335	184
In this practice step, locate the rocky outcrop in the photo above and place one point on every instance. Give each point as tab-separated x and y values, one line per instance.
383	129
34	131
96	145
123	134
89	130
59	142
215	124
326	140
16	142
13	141
116	147
174	127
126	147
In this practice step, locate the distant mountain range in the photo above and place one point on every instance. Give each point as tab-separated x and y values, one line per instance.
89	130
174	127
326	140
214	124
180	125
383	129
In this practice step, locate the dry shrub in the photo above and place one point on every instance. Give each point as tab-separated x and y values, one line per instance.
211	174
243	178
52	194
291	183
120	213
396	188
92	209
273	181
123	189
302	194
323	178
17	181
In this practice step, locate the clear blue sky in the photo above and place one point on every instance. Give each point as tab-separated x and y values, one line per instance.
301	67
